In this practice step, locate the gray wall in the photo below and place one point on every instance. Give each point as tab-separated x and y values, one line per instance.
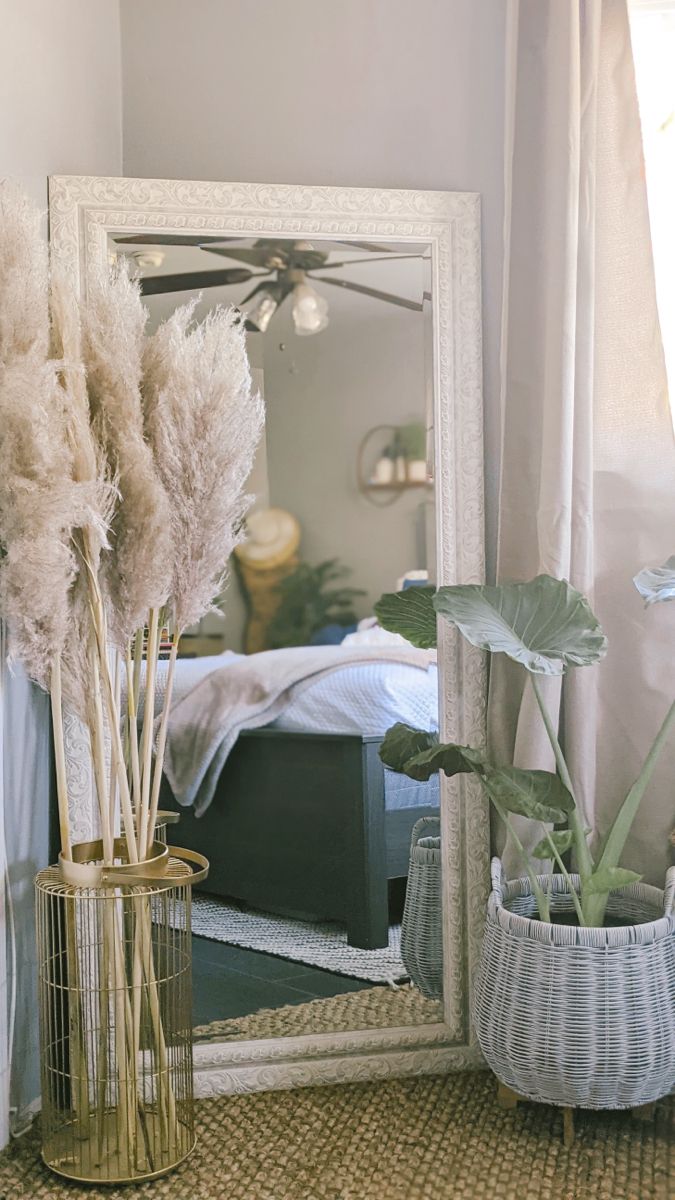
379	93
323	394
60	90
60	113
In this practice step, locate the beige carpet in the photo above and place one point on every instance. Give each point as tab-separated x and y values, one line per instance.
434	1138
372	1008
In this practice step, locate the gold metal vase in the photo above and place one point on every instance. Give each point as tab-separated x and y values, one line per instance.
115	998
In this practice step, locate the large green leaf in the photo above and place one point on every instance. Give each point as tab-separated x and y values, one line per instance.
656	584
410	613
536	794
447	757
562	840
402	742
606	879
545	624
420	755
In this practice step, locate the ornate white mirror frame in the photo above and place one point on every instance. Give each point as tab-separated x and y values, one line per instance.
83	211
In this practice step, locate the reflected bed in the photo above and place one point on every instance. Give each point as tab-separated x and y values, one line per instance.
309	822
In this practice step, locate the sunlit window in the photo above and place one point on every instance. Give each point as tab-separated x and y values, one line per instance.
653	38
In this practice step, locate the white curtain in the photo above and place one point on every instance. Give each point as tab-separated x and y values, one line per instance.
588	454
25	768
5	1052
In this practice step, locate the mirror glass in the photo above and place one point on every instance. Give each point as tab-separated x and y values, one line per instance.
298	927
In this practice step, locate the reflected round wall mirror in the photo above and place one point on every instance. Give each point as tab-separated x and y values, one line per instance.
362	312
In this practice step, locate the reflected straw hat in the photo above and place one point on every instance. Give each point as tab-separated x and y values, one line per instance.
272	536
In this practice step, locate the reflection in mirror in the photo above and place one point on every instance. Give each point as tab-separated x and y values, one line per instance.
298	929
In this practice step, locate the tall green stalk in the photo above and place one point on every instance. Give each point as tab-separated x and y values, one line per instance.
581	849
621	826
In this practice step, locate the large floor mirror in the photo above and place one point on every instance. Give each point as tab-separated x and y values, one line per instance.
362	317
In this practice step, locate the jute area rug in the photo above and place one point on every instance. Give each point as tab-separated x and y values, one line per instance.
373	1008
430	1138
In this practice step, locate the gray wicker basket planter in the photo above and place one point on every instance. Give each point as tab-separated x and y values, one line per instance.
422	927
579	1017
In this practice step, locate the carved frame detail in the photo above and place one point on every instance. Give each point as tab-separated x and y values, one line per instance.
82	212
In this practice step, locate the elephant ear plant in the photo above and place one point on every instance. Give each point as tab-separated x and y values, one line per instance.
547	627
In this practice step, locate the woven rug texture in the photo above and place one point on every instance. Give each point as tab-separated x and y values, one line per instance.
430	1138
373	1008
317	943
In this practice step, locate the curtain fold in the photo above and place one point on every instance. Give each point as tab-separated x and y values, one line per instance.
588	453
25	778
5	1021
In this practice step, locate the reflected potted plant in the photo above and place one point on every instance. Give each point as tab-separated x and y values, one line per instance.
310	611
574	1001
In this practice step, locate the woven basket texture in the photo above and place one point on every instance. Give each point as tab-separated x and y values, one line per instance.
579	1017
422	925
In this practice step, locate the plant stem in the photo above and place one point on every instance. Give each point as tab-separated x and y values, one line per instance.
98	627
138	666
148	722
114	789
538	892
161	743
584	859
623	822
97	739
132	735
564	872
621	826
118	765
60	758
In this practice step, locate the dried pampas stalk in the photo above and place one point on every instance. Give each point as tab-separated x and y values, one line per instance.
75	463
38	565
137	571
90	471
24	279
203	422
39	507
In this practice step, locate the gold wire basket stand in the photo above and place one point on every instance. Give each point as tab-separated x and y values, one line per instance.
115	1001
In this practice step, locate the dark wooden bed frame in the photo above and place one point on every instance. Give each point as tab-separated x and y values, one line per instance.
298	826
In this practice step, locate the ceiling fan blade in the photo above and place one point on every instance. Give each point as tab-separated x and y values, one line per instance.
190	281
354	262
169	239
257	256
367	291
374	247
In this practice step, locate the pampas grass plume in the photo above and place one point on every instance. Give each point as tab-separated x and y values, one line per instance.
137	570
203	422
37	505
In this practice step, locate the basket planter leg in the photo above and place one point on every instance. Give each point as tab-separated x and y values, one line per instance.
568	1127
505	1097
508	1099
644	1112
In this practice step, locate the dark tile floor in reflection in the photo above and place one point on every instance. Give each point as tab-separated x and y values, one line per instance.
228	981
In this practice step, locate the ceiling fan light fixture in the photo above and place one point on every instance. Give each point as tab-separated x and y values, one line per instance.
148	260
262	311
310	310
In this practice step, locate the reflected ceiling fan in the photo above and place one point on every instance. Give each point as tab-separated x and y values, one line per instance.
284	268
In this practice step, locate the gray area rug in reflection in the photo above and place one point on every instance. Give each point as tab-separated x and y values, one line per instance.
319	944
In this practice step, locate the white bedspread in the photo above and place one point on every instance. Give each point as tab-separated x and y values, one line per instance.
249	693
364	698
